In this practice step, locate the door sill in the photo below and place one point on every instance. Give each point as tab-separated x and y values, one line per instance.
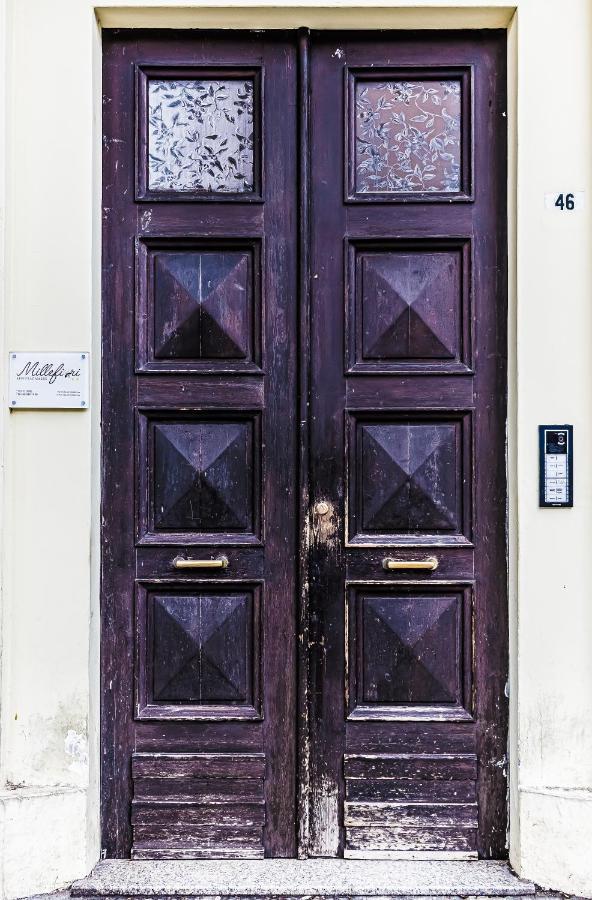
292	878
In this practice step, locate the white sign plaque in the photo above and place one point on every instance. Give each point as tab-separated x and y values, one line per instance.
48	380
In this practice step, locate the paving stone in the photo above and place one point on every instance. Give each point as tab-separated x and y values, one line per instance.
55	895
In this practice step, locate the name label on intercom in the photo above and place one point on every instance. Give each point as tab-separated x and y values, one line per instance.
556	465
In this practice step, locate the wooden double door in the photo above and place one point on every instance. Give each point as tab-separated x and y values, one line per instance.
304	613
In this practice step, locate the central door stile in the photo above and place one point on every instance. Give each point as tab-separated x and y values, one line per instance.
304	749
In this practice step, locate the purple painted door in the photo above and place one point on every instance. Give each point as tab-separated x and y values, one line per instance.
199	442
407	463
303	558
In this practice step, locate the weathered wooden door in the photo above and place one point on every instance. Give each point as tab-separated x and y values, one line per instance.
199	446
303	391
407	464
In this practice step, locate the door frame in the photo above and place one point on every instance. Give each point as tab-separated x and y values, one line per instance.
349	17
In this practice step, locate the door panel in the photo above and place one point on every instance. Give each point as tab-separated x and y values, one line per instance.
407	665
199	306
199	723
409	306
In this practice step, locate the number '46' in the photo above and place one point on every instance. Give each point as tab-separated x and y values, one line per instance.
567	203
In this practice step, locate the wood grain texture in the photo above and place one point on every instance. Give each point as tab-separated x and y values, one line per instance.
203	765
198	802
182	814
412	790
411	815
411	839
440	767
203	790
304	375
184	835
204	851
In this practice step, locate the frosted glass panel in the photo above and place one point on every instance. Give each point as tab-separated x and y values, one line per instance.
408	136
200	135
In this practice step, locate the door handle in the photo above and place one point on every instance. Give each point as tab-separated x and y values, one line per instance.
221	562
430	563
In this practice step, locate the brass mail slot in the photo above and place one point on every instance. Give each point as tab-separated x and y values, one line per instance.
430	563
220	562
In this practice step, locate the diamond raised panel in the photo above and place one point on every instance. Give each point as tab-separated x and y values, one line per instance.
409	477
203	472
201	648
409	648
200	478
198	306
409	310
198	651
200	135
407	136
202	306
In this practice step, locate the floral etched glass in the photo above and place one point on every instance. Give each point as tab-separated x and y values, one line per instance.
408	136
200	135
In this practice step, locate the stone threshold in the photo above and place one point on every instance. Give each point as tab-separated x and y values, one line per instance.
293	878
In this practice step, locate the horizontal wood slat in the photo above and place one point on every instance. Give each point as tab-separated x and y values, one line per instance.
414	815
192	806
150	852
422	766
448	738
420	802
417	839
410	790
202	765
181	835
205	790
198	813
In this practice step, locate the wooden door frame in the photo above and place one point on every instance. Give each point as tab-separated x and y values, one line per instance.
303	376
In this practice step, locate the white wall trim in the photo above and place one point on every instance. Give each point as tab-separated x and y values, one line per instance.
50	615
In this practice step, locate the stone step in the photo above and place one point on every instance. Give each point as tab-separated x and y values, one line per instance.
293	878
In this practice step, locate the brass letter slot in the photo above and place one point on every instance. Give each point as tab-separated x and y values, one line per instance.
430	563
220	563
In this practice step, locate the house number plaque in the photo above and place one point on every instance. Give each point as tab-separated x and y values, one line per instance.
48	380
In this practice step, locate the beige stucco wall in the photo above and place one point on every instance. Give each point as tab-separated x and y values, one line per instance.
50	517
